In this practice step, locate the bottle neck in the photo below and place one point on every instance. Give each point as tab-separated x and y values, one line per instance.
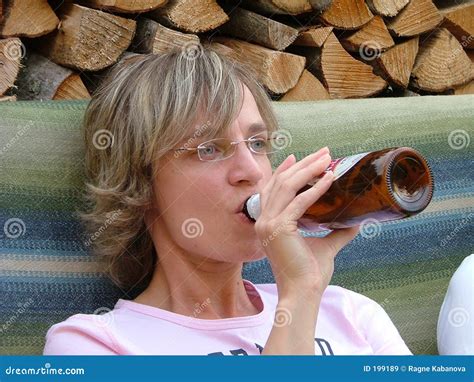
252	207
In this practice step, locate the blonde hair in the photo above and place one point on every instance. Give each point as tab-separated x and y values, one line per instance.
141	111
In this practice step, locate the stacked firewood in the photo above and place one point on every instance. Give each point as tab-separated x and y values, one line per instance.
298	49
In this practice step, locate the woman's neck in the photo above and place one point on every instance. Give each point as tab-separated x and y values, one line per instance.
197	291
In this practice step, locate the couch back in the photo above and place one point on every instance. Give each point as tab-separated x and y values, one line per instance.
47	274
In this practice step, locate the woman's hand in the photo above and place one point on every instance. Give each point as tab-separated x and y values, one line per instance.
296	261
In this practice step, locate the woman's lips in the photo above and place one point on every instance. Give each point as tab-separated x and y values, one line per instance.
244	219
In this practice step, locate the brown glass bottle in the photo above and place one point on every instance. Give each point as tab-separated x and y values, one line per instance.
388	184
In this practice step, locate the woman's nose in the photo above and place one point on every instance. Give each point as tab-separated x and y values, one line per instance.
245	165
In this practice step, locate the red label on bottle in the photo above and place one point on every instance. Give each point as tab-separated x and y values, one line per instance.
340	166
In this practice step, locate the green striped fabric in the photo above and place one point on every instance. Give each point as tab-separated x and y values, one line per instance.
46	273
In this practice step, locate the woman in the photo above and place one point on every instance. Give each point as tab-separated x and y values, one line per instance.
172	198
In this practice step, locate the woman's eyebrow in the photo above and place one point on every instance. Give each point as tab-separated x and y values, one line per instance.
257	127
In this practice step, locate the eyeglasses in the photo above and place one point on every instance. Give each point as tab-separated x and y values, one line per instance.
222	148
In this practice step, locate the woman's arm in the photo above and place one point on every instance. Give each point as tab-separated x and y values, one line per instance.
295	323
302	267
78	337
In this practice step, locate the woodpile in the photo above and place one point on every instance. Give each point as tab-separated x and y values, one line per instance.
299	50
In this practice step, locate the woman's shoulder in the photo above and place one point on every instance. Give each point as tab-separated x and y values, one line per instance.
332	292
351	301
336	291
340	297
81	334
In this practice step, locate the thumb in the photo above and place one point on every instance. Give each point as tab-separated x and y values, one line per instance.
339	238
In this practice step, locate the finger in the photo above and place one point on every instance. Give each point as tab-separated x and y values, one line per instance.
284	192
307	160
268	191
306	199
287	162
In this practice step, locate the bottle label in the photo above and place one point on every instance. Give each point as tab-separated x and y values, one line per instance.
340	166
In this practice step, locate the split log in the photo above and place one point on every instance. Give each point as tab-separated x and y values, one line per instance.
42	79
286	7
277	71
87	39
192	16
347	14
308	88
93	80
8	98
124	6
320	5
24	18
344	76
313	36
373	35
387	8
467	88
152	37
441	64
417	17
397	63
459	20
11	52
252	27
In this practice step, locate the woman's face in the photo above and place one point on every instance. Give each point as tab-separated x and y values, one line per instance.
198	202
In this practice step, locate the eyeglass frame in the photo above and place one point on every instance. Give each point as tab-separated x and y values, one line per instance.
232	144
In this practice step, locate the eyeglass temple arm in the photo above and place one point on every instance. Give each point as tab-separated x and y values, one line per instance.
186	149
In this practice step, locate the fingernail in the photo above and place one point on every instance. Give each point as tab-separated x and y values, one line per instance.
324	157
328	175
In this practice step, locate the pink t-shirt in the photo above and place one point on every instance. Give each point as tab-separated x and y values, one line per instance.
348	324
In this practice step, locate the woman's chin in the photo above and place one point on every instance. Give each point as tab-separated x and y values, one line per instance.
256	254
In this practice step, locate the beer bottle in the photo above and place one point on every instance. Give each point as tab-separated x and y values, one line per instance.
388	184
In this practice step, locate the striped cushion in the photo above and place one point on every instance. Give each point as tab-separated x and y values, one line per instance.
46	274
